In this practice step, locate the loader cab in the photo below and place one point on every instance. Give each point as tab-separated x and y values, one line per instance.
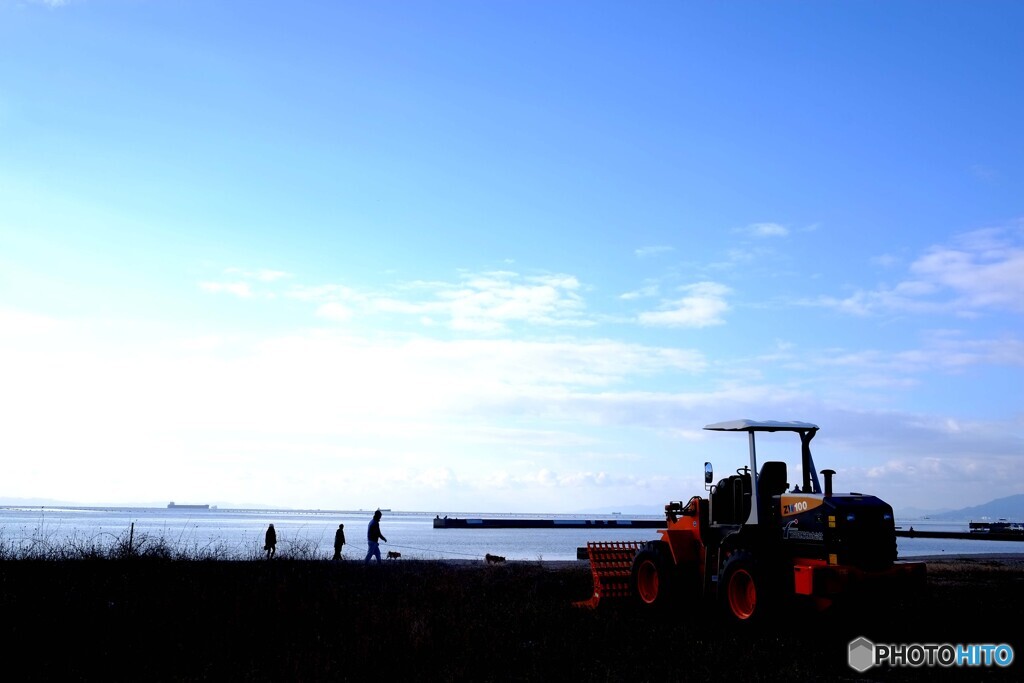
746	498
731	498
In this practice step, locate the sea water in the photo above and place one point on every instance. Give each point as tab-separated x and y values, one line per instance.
238	533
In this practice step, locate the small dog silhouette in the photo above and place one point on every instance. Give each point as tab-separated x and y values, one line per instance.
493	559
394	555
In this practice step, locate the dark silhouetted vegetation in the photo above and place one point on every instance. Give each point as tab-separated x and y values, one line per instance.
151	615
47	545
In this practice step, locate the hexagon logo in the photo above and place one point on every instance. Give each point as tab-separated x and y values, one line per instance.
862	654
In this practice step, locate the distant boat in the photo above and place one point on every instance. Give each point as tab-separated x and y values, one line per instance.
176	506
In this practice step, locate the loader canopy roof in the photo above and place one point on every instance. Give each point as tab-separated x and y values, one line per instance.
806	430
761	426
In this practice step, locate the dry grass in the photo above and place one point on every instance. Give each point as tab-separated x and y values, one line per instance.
157	618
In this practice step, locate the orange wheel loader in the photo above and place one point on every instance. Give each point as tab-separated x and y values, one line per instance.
754	542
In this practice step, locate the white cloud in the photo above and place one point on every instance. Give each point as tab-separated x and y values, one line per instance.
885	261
644	252
435	424
742	258
239	289
983	172
642	293
323	293
15	322
324	402
431	419
980	271
703	306
490	301
983	270
262	275
940	352
767	230
436	478
486	302
270	275
206	343
334	311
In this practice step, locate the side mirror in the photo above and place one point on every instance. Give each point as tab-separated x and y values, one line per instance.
709	473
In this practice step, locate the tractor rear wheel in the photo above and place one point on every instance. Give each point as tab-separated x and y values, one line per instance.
743	595
651	578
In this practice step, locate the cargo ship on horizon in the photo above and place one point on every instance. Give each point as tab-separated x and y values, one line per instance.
177	506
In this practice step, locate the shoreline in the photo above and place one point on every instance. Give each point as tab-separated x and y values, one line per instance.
965	556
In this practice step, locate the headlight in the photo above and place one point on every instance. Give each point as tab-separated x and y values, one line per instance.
850	517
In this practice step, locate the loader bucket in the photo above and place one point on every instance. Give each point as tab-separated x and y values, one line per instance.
610	566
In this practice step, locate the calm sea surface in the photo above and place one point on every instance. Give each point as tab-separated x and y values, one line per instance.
238	534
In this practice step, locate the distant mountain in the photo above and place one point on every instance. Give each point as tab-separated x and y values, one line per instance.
918	513
1011	508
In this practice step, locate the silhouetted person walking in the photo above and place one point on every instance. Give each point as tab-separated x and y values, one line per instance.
373	535
271	542
339	541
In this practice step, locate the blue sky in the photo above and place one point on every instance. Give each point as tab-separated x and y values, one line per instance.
507	256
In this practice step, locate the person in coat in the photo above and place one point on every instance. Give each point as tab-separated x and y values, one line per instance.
270	544
373	537
339	541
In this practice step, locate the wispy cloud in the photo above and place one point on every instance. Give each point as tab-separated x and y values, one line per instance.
334	311
645	292
983	172
885	261
491	301
353	408
644	252
941	352
244	283
980	270
983	269
325	293
703	305
15	323
262	275
766	230
239	289
742	258
488	302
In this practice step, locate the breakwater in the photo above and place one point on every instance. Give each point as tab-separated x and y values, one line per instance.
530	523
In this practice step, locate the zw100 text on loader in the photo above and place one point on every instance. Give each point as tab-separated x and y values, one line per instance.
753	542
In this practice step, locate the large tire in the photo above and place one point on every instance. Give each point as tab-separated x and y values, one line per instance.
651	578
743	593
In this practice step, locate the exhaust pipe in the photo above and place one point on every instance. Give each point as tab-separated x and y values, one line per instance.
828	482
